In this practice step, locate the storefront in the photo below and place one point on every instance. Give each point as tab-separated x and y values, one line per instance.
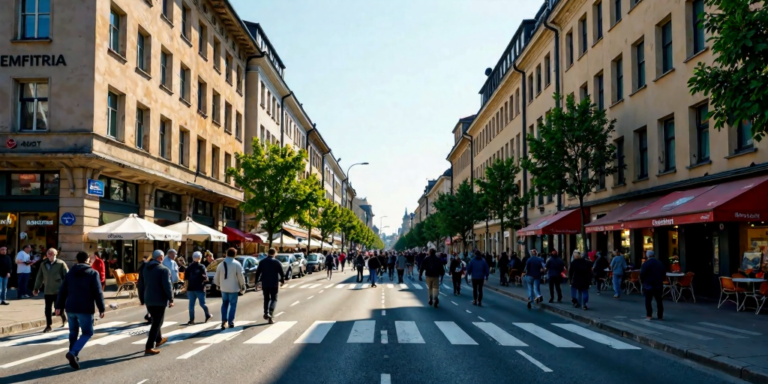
29	205
120	200
202	213
611	234
544	234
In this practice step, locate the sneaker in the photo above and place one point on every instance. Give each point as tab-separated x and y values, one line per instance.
208	317
270	321
25	296
266	317
73	361
539	299
430	302
584	307
231	325
436	301
47	329
4	303
191	322
223	324
161	342
529	304
615	296
150	352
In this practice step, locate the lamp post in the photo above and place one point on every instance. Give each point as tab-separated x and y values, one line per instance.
381	222
346	180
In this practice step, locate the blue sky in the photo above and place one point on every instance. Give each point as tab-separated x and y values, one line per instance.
387	80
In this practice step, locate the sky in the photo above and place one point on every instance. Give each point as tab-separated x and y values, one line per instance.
387	80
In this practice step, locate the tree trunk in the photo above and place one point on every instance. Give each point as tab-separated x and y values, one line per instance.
502	230
583	231
270	234
309	237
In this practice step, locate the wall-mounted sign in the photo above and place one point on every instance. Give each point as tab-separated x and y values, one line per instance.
68	218
95	188
13	144
32	60
39	222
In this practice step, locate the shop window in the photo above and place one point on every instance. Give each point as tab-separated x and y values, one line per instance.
118	190
33	106
34	184
35	19
167	200
203	208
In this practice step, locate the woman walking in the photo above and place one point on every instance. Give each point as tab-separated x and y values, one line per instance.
599	270
580	276
456	269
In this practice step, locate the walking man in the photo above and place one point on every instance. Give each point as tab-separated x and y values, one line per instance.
359	264
51	273
342	257
652	275
329	263
618	266
231	282
270	271
23	269
580	275
478	269
432	266
533	268
504	269
79	292
156	293
170	263
374	265
401	264
196	277
457	269
555	268
5	273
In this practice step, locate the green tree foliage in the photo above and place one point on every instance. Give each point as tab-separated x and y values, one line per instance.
459	212
433	230
329	219
274	192
400	244
347	221
737	83
499	193
572	152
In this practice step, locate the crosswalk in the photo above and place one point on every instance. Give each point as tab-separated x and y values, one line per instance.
408	286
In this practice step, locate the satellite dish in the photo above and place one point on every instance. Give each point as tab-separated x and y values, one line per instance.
488	71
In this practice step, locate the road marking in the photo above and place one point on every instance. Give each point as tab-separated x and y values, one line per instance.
310	298
315	333
33	358
362	332
384	337
305	286
64	334
712	331
390	286
279	314
534	361
481	318
225	335
454	303
417	285
125	334
143	381
340	286
294	304
193	352
443	294
180	335
596	337
547	336
500	335
636	328
468	311
383	312
454	334
313	286
446	286
382	301
670	329
408	333
366	286
328	286
322	290
386	378
403	286
355	286
732	329
272	333
292	286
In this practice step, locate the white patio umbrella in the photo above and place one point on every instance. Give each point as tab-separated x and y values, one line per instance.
193	230
288	241
133	228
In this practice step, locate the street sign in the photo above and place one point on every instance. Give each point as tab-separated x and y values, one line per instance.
67	219
95	188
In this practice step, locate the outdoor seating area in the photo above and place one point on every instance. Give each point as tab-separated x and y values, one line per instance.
738	289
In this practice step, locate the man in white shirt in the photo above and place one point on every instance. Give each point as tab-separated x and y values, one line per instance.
170	263
23	270
231	282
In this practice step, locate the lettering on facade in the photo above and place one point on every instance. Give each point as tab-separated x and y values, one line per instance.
6	222
13	144
39	222
114	236
32	60
751	216
661	222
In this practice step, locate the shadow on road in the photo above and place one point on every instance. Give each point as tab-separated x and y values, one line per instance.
64	368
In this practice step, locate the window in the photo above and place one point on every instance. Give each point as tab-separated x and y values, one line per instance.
261	99
203	208
200	159
583	35
35	19
530	88
202	93
183	144
214	162
227	117
166	67
668	128
239	79
185	21
118	190
639	52
616	11
702	133
239	126
184	82
618	66
620	162
547	70
168	9
744	137
143	55
33	106
517	106
227	162
599	85
538	79
216	107
168	201
216	54
202	40
583	92
598	17
31	184
666	47
164	139
112	104
141	114
600	180
228	69
114	31
642	147
697	8
569	49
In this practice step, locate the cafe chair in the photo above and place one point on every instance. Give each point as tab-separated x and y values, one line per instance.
123	284
738	275
763	297
178	287
685	282
668	289
633	284
728	289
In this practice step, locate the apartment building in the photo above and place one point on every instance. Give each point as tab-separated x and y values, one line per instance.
111	108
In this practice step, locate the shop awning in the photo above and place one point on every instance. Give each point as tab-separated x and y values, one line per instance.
193	230
563	222
133	228
612	221
740	200
236	235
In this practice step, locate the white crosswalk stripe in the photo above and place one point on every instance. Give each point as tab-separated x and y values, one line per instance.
362	332
500	335
454	333
180	335
63	335
596	337
672	330
33	358
365	286
408	333
226	335
547	336
124	334
271	334
403	286
417	285
390	286
313	286
329	285
316	333
305	286
355	286
340	286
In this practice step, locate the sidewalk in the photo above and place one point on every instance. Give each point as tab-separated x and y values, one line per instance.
721	339
26	314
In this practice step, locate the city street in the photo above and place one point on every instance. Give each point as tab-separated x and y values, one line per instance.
341	332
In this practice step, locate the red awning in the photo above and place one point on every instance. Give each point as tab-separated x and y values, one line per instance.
563	222
740	200
612	221
234	234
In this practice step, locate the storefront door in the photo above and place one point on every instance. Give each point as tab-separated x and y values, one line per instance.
698	255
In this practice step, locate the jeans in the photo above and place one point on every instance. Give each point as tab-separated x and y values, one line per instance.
270	299
228	300
196	296
23	283
50	300
580	296
554	285
477	290
158	316
3	288
79	321
600	281
359	274
617	284
651	294
433	287
534	287
400	275
456	282
373	275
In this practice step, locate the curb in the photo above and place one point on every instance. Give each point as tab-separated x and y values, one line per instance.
10	329
736	368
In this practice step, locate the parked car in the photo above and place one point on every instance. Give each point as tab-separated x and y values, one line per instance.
315	262
302	263
249	263
291	266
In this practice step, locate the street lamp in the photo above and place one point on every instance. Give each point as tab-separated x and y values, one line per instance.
381	222
346	180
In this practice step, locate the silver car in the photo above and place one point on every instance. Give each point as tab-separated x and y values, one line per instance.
291	266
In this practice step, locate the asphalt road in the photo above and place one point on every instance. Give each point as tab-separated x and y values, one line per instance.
329	333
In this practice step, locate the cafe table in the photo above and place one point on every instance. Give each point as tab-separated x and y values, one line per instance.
753	294
673	276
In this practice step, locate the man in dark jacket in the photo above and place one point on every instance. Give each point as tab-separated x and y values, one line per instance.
373	267
456	269
196	276
5	273
156	293
478	270
432	266
269	271
359	265
652	276
533	270
599	270
555	267
504	268
580	275
79	291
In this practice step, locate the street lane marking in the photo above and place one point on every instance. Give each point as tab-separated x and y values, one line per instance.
468	311
390	286
500	335
180	335
313	286
193	352
305	286
481	318
225	335
547	336
386	378
403	286
310	298
454	303
291	286
322	290
355	286
714	332
279	314
673	330
33	358
315	333
731	329
143	381
417	285
272	333
294	304
534	361
362	332
384	337
329	285
596	337
454	334
124	334
365	286
383	312
636	328
408	333
64	334
340	286
446	286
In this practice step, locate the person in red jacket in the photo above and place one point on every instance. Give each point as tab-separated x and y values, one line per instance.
342	257
98	266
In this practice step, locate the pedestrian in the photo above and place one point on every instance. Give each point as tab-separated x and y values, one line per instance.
170	262
555	267
144	262
411	259
419	260
329	263
51	274
79	292
533	271
373	266
478	270
342	258
5	273
23	269
457	269
618	266
401	263
270	271
391	261
182	264
599	270
195	277
515	266
432	266
156	293
231	282
652	276
580	275
444	262
98	265
359	265
208	259
504	269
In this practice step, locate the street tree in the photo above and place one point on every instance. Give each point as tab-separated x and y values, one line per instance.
274	192
329	219
500	194
737	82
460	211
572	152
433	230
347	220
